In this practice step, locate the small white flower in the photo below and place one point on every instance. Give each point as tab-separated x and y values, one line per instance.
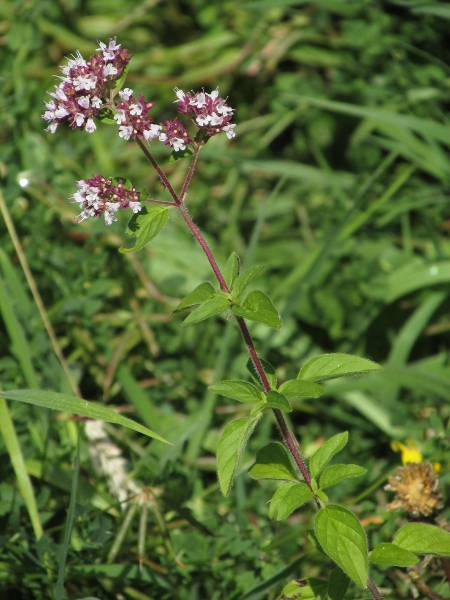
83	101
162	137
109	70
120	116
125	131
213	95
200	100
135	206
203	120
79	119
180	94
90	126
216	119
96	102
85	82
135	109
61	112
177	144
229	130
52	128
152	133
126	94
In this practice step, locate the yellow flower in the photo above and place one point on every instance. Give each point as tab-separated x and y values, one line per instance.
410	453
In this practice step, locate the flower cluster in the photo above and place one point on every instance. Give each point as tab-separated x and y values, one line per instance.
99	196
208	111
82	92
133	117
175	135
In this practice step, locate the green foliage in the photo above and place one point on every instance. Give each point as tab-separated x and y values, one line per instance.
297	388
423	539
278	401
337	181
332	524
336	473
326	452
146	225
76	406
287	498
238	390
208	308
231	448
257	306
392	555
273	462
329	366
202	292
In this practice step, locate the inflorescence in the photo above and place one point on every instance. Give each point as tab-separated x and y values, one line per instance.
87	91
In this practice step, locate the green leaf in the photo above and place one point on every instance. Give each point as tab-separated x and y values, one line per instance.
336	473
202	292
337	584
118	84
297	388
77	406
145	225
238	390
231	270
288	498
231	448
423	539
392	555
258	307
326	452
268	369
278	401
246	278
209	308
342	537
329	366
305	589
176	156
273	462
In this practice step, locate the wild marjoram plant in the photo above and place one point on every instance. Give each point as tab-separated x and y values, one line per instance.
93	90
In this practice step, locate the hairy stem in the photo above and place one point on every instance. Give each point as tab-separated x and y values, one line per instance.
287	435
374	590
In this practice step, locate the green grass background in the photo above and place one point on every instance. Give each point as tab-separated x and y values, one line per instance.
338	181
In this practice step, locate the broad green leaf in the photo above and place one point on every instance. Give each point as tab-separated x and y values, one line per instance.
326	452
288	498
268	369
329	366
258	307
231	270
336	473
238	390
246	278
337	584
278	401
273	462
209	308
305	589
342	537
423	539
231	448
146	225
297	388
393	556
202	292
77	406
